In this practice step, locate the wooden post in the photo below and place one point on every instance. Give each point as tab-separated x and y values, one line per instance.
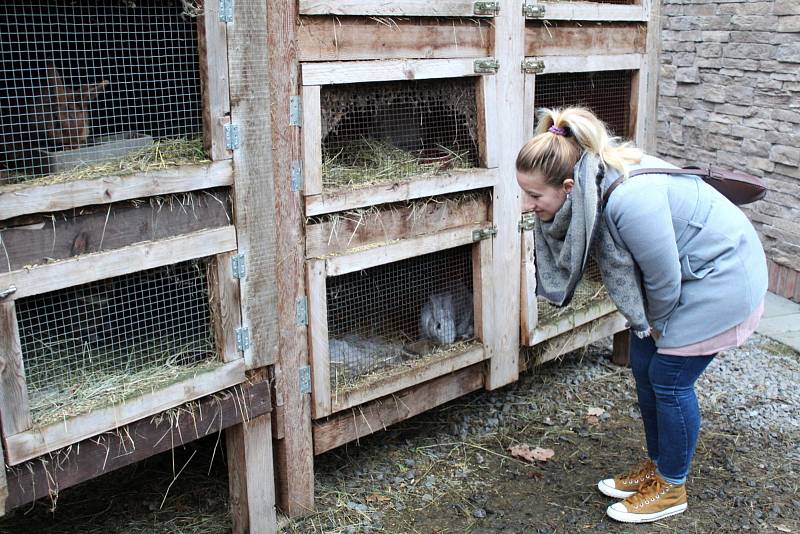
3	483
14	410
622	348
214	85
294	452
652	60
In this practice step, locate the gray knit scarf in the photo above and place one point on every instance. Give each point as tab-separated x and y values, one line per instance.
578	229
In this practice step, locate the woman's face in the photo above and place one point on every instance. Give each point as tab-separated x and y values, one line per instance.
540	197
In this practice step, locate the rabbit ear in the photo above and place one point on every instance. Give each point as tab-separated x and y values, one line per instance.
56	83
89	92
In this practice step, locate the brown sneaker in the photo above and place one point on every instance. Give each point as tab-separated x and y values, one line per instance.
655	500
628	484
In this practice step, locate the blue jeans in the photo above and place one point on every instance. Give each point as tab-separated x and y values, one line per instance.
670	413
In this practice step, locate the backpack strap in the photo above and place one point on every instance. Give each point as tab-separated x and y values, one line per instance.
695	171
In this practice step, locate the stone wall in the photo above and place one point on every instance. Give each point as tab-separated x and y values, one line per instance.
729	95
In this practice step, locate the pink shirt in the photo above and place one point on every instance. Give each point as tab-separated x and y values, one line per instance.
731	338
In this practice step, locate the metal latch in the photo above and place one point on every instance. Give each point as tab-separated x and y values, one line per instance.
526	223
297	176
486	8
232	139
10	290
226	10
484	233
242	338
238	266
301	313
533	11
486	66
304	375
295	111
532	66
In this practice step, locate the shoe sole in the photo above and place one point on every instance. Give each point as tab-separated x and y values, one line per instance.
613	492
628	517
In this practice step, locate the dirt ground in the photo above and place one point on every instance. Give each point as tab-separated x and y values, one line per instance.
450	469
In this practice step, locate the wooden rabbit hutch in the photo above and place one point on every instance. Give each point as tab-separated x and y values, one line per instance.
137	276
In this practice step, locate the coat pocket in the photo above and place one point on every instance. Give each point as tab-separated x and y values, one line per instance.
694	268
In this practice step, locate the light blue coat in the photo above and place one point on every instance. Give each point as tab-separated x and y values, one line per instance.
702	264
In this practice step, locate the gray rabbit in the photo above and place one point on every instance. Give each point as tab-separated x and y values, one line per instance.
447	317
355	355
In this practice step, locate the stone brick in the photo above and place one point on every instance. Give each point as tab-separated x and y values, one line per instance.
793	87
736	73
687	75
746	8
760	123
784	7
746	132
785	115
753	22
762	164
715	36
709	50
785	76
789	53
713	93
789	24
739	94
720	117
700	10
676	133
748	51
752	37
715	78
708	63
790	170
668	71
787	155
683	59
753	147
667	87
678	46
732	109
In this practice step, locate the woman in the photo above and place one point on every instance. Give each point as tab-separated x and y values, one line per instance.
680	261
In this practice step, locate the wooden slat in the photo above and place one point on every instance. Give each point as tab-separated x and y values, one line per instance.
380	414
3	485
226	312
312	140
580	317
364	38
400	250
137	441
411	377
409	8
592	11
32	443
351	230
14	409
581	38
487	122
408	189
38	239
529	307
483	284
214	83
318	338
622	348
648	110
16	200
636	132
294	454
528	107
99	266
554	64
387	70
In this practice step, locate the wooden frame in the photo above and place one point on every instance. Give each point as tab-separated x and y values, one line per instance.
409	8
331	73
324	402
593	11
214	83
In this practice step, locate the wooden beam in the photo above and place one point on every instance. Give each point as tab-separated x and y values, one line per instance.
16	200
14	407
411	188
36	442
576	38
648	109
483	289
400	250
554	64
39	239
528	107
635	131
380	414
529	305
214	83
369	38
487	122
622	348
406	378
226	314
101	265
3	485
294	452
312	140
318	338
569	322
134	442
409	8
329	73
589	11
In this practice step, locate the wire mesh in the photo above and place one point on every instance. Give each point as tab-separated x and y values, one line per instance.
388	315
107	340
588	291
606	93
83	82
376	132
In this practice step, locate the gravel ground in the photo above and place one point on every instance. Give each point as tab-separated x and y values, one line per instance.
450	469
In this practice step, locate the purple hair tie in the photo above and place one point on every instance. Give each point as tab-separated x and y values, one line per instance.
556	130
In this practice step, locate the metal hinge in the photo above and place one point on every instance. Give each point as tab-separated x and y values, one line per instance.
484	233
486	66
226	10
242	338
232	138
297	175
532	66
533	11
238	266
10	290
301	313
295	111
486	8
526	223
304	376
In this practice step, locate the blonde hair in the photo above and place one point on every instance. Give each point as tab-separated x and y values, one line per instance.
555	153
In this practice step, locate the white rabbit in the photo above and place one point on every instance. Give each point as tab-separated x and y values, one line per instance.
447	316
357	355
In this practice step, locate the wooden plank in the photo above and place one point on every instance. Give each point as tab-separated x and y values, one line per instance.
3	485
579	38
365	38
214	83
622	348
101	265
329	73
649	108
487	122
37	239
529	306
254	189
592	11
14	408
16	200
553	64
135	442
398	382
408	189
503	341
380	414
250	477
294	452
355	229
483	285
409	8
318	338
528	107
312	140
35	442
226	314
580	317
400	250
634	131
